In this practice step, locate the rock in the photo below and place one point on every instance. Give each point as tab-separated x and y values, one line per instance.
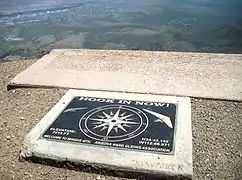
8	137
208	175
98	178
21	118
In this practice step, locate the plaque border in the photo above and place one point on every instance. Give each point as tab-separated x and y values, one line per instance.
146	162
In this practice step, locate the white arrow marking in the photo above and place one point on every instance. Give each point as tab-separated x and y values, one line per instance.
74	109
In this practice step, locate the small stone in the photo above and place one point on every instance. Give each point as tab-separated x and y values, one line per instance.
8	137
98	178
21	118
25	173
218	154
14	91
212	118
28	93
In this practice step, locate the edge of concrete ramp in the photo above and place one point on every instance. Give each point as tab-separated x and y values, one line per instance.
203	75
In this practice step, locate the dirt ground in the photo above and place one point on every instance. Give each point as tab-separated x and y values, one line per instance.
216	133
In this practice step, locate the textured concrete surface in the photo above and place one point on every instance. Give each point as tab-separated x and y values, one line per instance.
216	76
216	134
178	164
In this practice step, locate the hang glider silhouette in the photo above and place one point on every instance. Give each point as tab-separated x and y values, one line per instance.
161	118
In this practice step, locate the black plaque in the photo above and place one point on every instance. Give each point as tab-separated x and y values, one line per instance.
116	123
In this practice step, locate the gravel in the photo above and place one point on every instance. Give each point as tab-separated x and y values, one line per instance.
216	133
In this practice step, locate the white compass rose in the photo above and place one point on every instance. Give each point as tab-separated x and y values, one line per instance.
113	121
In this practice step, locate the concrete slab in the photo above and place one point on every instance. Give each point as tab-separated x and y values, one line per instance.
157	143
216	76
